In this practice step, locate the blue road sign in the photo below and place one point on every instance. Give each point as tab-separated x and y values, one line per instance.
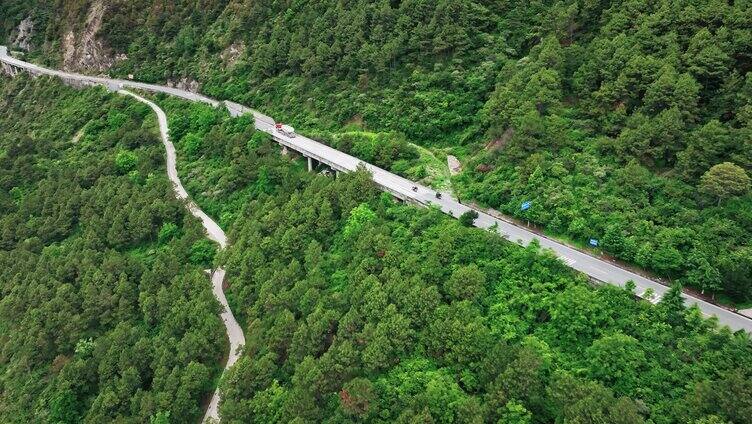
525	206
594	242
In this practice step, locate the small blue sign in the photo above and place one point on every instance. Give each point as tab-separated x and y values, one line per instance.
525	206
594	242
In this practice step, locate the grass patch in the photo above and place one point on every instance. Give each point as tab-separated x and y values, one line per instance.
436	169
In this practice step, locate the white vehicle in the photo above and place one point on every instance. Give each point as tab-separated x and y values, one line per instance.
285	129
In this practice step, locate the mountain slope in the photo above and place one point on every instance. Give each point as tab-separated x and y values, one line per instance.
605	114
105	311
358	308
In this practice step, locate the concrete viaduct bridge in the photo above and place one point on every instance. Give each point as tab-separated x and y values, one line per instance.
599	270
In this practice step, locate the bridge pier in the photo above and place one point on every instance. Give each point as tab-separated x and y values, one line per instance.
311	164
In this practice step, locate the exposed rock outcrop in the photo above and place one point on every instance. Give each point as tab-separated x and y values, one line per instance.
231	54
185	83
86	51
23	34
455	167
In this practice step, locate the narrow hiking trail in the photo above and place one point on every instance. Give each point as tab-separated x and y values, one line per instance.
215	233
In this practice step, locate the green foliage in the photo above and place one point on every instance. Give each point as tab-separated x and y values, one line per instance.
515	413
702	274
202	253
737	267
103	318
725	180
167	232
191	144
609	126
160	418
226	162
357	397
64	408
390	50
363	309
257	140
602	116
357	308
385	150
616	360
126	161
468	218
466	283
359	218
84	347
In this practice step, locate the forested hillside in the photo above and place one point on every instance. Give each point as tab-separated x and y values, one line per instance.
106	314
357	308
638	134
607	115
627	121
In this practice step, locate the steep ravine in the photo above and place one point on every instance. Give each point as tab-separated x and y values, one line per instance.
234	332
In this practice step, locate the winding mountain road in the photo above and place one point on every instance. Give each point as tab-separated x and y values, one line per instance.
597	268
234	332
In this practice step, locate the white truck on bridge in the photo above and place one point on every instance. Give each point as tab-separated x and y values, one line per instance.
285	129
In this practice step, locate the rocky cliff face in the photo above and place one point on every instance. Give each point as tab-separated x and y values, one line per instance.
85	51
23	34
188	84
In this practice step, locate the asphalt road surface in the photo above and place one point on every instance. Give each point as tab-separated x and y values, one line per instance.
597	268
234	332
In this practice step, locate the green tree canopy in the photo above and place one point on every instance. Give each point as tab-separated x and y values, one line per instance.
725	180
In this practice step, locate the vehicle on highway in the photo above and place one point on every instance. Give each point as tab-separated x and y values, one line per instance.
415	188
285	129
438	195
